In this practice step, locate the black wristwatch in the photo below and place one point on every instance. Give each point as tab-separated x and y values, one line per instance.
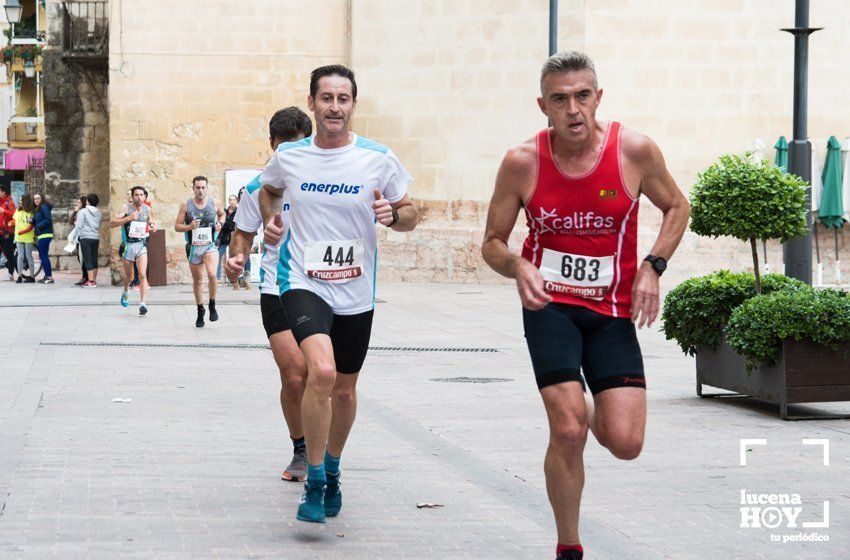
659	264
395	218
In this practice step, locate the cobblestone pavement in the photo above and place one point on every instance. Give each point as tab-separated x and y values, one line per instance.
189	467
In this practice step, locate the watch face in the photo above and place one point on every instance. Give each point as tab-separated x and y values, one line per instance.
660	265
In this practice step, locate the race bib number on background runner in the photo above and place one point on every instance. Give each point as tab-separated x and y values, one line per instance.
137	229
577	275
334	261
202	236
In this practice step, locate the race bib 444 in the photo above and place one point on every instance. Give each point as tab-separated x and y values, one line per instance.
578	275
334	261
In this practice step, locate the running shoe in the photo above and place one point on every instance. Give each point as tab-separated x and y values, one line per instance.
46	281
312	507
213	313
333	495
143	309
125	299
81	282
296	471
199	322
90	284
29	280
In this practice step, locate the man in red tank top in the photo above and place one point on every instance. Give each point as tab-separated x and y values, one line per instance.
582	284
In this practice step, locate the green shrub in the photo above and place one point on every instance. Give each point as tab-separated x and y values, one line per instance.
748	200
696	310
758	326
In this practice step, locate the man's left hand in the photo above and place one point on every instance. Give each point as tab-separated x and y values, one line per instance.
383	209
645	296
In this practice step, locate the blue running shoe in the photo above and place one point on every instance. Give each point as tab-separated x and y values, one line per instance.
125	299
333	496
312	507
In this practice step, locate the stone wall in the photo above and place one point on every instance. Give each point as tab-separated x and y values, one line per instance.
450	86
192	89
77	146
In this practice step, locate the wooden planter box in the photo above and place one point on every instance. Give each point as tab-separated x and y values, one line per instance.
805	373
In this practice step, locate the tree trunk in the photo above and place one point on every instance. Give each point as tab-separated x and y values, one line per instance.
756	264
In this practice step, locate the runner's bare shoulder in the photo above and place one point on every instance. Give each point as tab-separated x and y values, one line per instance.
639	149
519	168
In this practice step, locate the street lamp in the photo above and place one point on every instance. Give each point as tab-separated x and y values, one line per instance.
29	69
13	11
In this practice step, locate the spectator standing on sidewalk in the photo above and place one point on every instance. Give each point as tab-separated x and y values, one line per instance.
7	229
88	224
75	235
25	237
43	222
226	232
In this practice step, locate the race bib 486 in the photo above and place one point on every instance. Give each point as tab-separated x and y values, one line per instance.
334	261
578	275
202	236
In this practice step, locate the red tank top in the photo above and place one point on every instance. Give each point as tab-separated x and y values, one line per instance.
582	231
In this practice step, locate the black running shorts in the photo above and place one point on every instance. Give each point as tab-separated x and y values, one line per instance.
564	340
274	317
309	314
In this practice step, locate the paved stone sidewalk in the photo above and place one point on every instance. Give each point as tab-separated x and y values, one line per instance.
189	468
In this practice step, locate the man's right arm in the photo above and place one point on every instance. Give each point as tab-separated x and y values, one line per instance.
514	183
120	220
271	202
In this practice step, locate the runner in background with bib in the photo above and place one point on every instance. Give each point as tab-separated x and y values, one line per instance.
582	284
136	226
339	185
200	218
287	125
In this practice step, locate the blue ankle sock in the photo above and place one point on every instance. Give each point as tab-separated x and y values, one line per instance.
316	473
331	463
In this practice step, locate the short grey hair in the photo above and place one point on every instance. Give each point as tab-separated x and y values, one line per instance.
568	61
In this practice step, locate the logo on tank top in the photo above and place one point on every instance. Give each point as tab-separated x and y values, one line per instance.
608	193
331	188
577	223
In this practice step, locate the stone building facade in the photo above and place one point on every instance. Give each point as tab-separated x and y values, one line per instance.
450	87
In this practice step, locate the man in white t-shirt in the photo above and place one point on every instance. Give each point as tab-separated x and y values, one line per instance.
287	125
339	186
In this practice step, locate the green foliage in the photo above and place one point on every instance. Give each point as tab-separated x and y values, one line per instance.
748	199
696	310
758	326
26	52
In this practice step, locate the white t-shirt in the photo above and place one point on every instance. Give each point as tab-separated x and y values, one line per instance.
331	247
249	219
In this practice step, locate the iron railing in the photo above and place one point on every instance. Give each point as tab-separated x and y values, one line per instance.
85	27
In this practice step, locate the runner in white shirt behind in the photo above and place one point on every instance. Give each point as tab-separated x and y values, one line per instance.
287	125
339	186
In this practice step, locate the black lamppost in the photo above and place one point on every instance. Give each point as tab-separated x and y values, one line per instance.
13	11
798	251
553	27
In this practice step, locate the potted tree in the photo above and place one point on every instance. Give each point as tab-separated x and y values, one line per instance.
772	338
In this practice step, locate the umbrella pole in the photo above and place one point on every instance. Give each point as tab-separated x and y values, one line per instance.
837	261
817	253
